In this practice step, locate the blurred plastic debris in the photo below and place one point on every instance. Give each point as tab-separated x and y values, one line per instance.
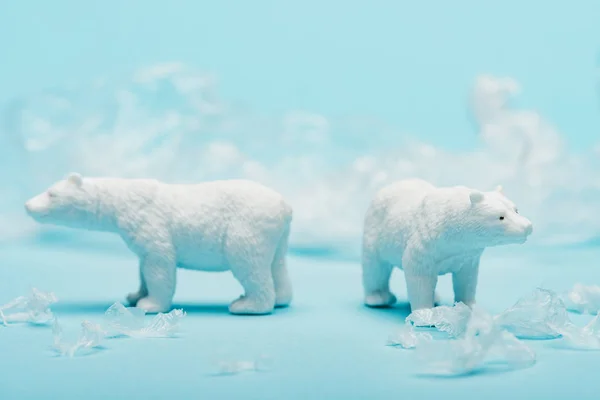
129	321
583	299
123	319
407	338
452	320
539	315
264	363
34	308
91	336
484	341
587	337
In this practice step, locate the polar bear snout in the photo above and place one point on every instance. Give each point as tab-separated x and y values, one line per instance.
526	226
36	207
528	229
520	227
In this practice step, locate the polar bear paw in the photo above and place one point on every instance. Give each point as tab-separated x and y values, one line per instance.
380	299
152	306
248	306
133	298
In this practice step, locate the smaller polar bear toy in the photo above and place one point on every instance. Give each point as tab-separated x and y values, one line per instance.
428	231
235	225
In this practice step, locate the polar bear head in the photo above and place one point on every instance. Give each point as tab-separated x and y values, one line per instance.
69	202
491	219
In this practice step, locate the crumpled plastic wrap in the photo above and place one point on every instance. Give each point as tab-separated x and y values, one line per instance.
262	364
34	308
539	315
483	341
543	315
91	336
120	320
587	338
408	338
130	321
583	299
452	320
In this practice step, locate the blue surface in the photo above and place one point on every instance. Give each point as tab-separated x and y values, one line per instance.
374	71
326	346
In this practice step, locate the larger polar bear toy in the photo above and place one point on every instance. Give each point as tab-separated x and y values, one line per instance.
427	232
235	225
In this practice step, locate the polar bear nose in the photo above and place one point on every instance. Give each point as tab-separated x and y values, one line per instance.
32	207
528	228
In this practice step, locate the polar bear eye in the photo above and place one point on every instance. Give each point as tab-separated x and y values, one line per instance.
51	194
501	218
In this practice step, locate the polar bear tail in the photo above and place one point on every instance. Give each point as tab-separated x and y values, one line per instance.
281	280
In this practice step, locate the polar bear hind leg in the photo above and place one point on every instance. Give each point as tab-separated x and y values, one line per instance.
376	281
281	279
250	255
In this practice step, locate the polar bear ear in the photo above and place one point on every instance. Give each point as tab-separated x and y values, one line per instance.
75	178
499	189
475	196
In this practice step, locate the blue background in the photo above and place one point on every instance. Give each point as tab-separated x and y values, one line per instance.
377	72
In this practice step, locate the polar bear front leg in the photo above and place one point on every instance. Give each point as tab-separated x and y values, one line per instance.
421	290
376	281
464	282
159	273
134	297
421	278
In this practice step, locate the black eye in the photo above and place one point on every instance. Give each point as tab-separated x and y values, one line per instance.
501	218
517	211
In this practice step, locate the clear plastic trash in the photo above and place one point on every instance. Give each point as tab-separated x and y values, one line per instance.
34	308
262	364
130	321
91	336
483	342
408	338
587	337
539	315
583	299
120	319
452	320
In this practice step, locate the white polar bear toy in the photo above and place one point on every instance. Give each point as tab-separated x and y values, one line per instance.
235	225
428	231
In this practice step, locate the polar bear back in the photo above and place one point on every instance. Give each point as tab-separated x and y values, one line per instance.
226	199
198	220
391	217
206	216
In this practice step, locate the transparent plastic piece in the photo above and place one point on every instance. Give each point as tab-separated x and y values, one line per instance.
539	315
91	336
408	338
587	337
262	364
583	299
452	320
120	319
484	341
130	321
34	308
514	352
